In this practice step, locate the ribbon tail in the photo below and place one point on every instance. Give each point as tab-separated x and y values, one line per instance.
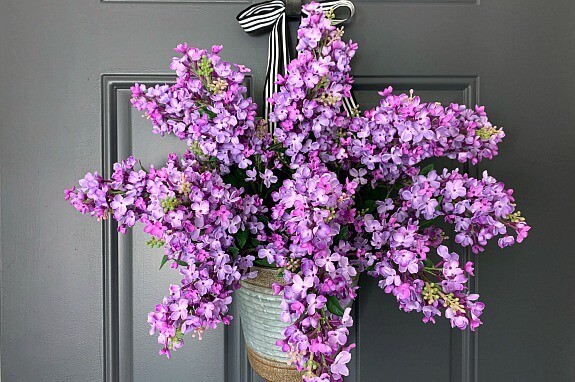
350	104
278	59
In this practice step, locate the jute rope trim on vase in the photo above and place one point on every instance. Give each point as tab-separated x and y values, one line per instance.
266	278
273	371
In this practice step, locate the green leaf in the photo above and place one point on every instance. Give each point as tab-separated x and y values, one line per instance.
369	205
428	223
439	200
263	218
234	251
164	261
205	110
341	235
182	263
242	237
264	263
333	306
427	169
254	242
236	177
428	263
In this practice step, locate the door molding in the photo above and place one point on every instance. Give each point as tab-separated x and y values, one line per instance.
463	344
116	248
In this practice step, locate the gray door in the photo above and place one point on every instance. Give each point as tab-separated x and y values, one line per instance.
75	296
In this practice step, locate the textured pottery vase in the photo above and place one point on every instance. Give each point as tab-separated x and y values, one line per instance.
260	312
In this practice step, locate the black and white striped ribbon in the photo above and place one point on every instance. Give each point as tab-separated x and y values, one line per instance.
272	13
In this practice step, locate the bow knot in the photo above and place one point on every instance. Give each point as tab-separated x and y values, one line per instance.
274	13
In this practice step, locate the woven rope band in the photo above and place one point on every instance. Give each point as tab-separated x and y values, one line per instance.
272	371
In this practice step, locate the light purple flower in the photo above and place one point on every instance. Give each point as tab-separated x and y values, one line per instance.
340	364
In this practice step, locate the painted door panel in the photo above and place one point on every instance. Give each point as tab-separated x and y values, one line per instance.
75	295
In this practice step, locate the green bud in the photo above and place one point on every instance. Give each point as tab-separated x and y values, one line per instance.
170	204
155	243
486	132
515	217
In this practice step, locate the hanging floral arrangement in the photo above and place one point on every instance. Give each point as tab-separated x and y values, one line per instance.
330	194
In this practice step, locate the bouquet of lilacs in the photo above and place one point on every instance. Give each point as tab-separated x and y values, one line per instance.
325	197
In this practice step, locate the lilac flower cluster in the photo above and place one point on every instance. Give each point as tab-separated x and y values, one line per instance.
197	218
206	106
310	211
479	209
402	131
400	248
330	197
308	107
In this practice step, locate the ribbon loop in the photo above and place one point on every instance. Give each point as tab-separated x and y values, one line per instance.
274	13
261	16
334	5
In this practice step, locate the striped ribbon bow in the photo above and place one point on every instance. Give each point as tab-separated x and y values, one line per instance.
274	13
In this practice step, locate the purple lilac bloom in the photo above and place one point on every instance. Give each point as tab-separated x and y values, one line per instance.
206	107
330	196
308	107
392	139
192	213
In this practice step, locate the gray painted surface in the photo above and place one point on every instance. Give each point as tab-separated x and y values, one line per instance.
132	279
514	56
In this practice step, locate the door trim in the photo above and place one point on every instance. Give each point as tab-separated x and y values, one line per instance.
116	249
464	344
